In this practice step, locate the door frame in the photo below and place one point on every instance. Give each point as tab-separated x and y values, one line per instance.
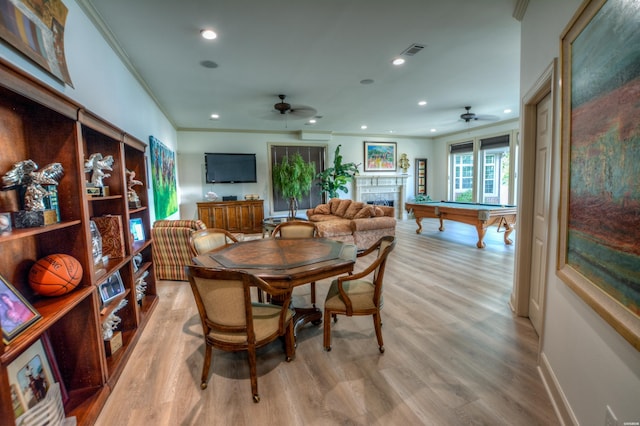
546	84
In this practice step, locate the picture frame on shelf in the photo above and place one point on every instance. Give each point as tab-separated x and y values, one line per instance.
136	227
16	313
380	156
599	165
111	288
32	374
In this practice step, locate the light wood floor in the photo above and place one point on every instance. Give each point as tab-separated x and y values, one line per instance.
455	353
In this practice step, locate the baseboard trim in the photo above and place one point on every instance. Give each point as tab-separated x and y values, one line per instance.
558	400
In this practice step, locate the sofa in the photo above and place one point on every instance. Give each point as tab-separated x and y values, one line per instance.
353	221
171	247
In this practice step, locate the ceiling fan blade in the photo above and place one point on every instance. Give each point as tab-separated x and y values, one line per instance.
302	111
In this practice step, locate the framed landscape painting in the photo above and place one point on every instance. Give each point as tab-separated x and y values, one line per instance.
380	156
599	254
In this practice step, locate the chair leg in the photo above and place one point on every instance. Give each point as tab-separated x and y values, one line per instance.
377	323
253	372
327	332
290	342
313	294
205	366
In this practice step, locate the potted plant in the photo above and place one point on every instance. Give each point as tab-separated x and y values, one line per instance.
335	178
293	178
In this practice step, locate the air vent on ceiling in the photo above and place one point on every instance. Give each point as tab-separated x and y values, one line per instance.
413	49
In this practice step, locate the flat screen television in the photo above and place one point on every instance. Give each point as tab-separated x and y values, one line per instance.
230	168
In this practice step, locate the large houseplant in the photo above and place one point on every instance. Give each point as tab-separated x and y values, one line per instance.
335	178
292	177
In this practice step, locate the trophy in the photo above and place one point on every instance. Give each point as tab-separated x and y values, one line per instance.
37	192
97	165
134	200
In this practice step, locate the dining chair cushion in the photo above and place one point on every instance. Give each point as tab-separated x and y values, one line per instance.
360	292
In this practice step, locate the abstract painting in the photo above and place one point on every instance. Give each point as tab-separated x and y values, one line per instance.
163	177
36	29
600	211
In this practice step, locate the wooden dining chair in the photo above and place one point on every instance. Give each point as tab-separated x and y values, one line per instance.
359	293
205	240
298	229
231	322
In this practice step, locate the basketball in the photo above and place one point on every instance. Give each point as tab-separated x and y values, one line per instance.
55	275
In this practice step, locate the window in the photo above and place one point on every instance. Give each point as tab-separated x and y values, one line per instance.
309	153
494	156
462	167
485	177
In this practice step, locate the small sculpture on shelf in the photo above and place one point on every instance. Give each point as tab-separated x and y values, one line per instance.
112	322
141	286
96	165
26	177
403	163
132	196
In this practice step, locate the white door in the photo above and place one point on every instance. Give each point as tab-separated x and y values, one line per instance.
539	256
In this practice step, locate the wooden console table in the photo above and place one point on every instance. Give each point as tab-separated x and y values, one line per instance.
234	216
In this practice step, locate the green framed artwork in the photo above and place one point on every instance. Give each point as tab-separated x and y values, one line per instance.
163	178
599	254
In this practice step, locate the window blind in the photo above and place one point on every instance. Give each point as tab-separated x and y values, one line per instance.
461	147
495	142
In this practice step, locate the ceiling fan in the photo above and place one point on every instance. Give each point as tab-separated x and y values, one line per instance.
299	111
469	116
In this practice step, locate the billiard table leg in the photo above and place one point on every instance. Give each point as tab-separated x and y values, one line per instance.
419	222
508	229
481	232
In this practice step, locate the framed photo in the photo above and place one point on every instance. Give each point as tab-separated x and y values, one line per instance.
380	156
31	375
16	314
137	229
421	176
599	255
111	288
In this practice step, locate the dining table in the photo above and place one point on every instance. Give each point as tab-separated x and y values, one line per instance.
286	263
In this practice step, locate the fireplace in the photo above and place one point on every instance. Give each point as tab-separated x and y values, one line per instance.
387	190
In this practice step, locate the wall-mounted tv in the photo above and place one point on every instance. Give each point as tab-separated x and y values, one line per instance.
230	168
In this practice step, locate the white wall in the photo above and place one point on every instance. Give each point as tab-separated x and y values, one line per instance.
101	82
591	365
193	144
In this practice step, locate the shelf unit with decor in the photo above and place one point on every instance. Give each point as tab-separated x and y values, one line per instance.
39	123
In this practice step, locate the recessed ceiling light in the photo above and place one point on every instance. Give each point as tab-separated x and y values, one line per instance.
398	61
312	121
214	116
364	126
433	130
507	111
208	34
422	103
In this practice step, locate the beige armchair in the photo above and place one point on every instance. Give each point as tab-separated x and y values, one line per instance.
231	322
359	294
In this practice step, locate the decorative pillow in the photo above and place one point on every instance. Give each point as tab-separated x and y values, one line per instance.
342	207
364	212
353	209
322	209
378	212
333	204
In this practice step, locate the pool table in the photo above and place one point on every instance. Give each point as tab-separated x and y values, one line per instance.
479	215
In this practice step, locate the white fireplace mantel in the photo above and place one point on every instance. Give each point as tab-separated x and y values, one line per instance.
380	188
